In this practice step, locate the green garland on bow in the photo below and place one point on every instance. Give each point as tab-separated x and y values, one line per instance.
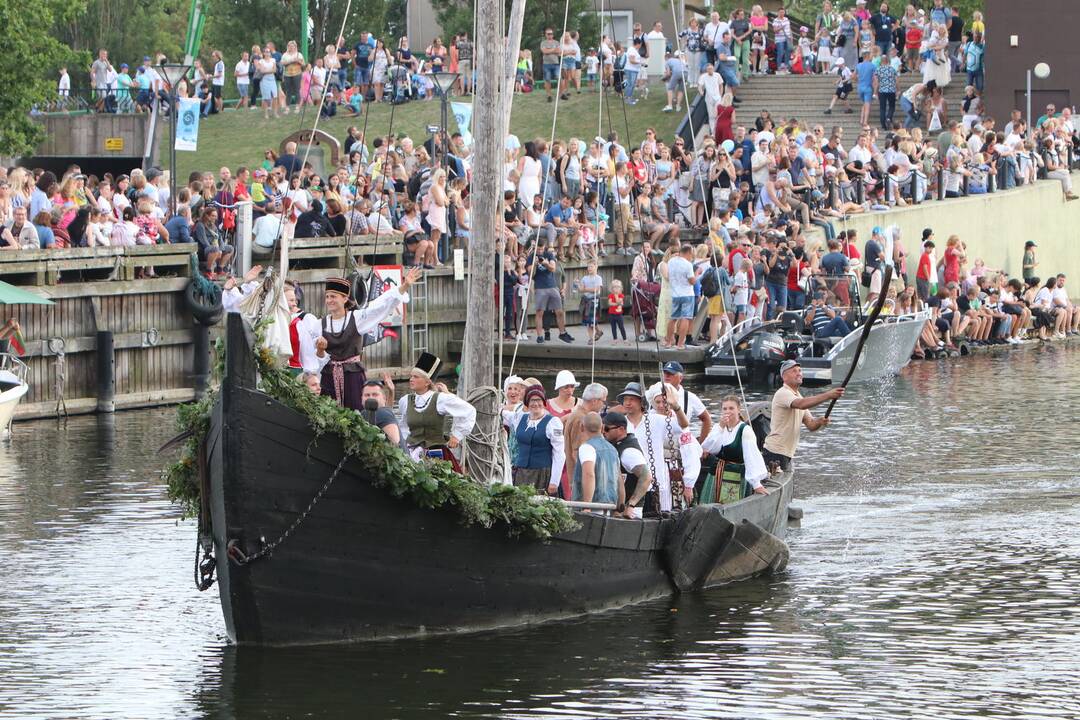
430	484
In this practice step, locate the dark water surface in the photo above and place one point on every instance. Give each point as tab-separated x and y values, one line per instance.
936	575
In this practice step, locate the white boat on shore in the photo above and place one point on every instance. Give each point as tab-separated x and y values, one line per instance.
12	388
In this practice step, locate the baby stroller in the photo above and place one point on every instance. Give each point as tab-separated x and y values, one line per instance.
644	301
398	84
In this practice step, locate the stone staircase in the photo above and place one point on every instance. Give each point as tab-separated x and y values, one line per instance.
807	96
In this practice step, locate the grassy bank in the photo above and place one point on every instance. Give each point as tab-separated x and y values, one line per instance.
240	137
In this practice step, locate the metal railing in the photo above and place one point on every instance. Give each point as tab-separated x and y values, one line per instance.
13	365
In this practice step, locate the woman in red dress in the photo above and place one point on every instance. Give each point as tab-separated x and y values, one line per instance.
725	119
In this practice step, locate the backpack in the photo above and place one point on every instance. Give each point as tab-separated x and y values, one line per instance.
710	282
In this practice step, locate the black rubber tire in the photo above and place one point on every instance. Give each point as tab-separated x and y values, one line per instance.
202	313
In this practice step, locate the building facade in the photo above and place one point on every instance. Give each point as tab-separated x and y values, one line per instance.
1021	35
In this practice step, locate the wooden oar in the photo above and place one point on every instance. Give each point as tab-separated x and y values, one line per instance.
886	278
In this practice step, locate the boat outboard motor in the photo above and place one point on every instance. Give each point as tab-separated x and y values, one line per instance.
767	351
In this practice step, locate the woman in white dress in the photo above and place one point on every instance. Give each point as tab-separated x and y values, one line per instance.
529	171
380	61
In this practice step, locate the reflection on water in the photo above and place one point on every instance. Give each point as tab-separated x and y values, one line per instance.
934	575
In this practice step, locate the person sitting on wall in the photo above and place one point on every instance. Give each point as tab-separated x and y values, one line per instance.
423	414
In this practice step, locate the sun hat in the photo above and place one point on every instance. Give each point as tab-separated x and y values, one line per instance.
564	378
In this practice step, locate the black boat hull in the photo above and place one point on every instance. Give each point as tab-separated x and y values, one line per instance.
365	565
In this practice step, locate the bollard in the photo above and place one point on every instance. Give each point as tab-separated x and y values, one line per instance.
858	190
106	372
200	364
888	198
941	183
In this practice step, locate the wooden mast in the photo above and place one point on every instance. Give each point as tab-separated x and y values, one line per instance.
478	358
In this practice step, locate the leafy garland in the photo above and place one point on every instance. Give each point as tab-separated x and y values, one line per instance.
430	484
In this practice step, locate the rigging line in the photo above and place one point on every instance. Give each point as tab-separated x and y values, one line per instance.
615	181
543	203
641	229
501	311
709	210
349	259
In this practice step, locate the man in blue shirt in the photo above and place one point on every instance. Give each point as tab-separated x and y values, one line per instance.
865	71
560	226
834	262
179	226
546	291
362	76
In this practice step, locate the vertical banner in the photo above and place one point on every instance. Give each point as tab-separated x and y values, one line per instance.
463	115
187	124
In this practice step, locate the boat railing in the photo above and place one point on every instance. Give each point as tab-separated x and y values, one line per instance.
605	508
737	329
853	336
13	365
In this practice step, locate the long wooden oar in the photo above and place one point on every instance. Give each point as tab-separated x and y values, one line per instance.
886	278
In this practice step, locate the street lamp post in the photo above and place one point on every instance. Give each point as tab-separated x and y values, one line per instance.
1042	71
444	81
173	73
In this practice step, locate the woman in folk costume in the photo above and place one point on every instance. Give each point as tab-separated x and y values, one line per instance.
561	406
424	411
539	457
344	327
741	468
305	335
232	294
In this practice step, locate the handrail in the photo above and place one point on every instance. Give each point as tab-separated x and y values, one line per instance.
894	319
745	324
14	365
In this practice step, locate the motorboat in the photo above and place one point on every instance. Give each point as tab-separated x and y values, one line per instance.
13	387
752	350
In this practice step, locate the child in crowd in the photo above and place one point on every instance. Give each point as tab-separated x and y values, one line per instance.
932	48
740	290
615	301
912	46
590	286
522	291
977	24
592	69
824	55
866	38
806	50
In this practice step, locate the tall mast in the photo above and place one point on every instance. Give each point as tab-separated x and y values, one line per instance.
478	358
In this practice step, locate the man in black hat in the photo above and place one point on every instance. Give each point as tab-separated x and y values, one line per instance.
790	411
638	480
423	414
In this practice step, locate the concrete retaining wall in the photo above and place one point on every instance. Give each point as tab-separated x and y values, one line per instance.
995	228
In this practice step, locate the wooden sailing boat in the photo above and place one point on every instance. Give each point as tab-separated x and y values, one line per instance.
302	559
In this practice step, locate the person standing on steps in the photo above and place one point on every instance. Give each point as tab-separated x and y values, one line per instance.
547	292
790	411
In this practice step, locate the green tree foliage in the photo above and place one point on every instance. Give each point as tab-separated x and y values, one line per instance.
128	29
30	43
455	16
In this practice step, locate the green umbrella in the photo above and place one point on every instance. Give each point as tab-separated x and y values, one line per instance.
11	295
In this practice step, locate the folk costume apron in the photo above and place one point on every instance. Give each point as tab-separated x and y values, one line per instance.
726	482
344	376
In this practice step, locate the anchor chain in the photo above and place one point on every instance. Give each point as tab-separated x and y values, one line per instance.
237	555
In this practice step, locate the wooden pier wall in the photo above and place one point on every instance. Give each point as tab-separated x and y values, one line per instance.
94	290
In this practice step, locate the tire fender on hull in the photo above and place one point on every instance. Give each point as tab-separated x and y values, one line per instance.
695	545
